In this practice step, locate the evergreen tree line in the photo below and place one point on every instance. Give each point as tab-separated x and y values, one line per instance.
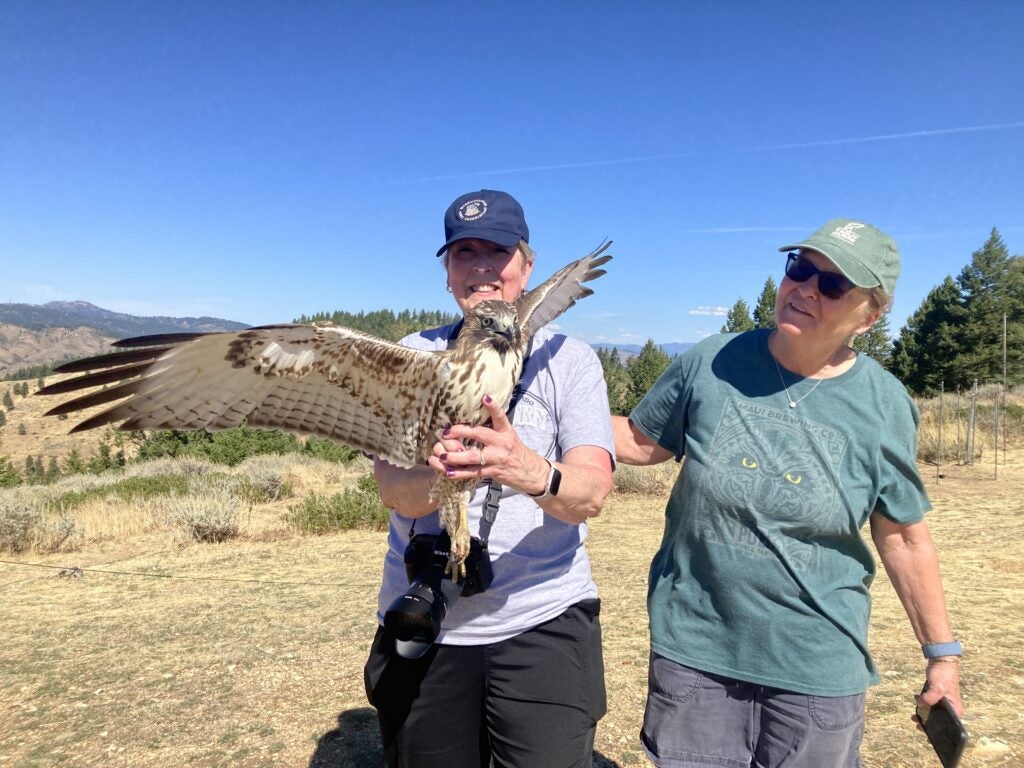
229	447
953	339
36	473
629	381
956	335
33	371
384	323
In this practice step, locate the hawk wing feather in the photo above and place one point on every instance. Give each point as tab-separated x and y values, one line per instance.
555	295
335	383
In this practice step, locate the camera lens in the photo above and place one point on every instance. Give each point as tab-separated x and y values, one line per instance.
415	617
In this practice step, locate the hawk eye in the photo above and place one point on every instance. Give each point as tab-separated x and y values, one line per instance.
486	321
794	478
749	463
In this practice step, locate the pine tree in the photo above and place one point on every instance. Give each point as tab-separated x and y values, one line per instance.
30	469
738	319
1014	310
73	464
644	370
764	312
925	354
8	401
991	286
9	475
3	418
616	380
52	470
875	342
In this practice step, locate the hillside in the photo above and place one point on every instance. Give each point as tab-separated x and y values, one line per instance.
28	433
22	347
40	334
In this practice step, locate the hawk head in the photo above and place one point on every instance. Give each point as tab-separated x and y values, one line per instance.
495	324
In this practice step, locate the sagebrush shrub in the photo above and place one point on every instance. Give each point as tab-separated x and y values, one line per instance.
358	507
207	512
262	479
21	522
180	465
656	480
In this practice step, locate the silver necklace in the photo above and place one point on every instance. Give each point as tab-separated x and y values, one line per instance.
792	403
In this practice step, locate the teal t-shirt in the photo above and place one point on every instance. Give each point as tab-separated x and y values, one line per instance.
762	574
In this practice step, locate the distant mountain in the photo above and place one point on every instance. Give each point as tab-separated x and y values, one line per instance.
82	314
626	351
34	335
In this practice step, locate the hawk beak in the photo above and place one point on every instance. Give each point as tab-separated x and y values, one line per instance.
507	328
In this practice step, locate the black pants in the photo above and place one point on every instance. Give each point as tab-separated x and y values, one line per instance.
532	701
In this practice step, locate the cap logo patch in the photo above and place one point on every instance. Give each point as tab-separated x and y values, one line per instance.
848	232
471	210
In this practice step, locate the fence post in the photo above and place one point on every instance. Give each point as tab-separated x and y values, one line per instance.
972	413
959	445
938	460
995	440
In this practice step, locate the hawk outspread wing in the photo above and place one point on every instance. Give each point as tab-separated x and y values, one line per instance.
335	383
330	382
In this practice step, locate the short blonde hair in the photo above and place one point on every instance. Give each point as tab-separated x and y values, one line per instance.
526	252
880	301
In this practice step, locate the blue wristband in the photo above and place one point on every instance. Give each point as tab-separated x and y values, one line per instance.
935	650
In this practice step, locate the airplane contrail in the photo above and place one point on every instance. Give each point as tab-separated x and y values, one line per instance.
891	136
679	155
736	230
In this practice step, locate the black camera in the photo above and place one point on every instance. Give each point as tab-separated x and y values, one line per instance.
415	616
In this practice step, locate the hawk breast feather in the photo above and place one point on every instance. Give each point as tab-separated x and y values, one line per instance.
330	382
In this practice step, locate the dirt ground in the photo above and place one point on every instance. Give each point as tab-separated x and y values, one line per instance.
249	653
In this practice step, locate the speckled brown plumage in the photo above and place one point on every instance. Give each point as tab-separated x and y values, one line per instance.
331	382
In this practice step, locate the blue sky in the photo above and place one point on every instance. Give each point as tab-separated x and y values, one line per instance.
259	160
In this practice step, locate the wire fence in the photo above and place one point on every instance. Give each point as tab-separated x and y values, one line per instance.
972	426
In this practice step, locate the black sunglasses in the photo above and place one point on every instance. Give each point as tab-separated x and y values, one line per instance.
831	284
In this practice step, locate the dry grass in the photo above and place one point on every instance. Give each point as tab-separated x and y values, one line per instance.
249	653
943	435
45	437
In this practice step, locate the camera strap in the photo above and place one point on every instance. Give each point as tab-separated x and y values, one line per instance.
494	488
493	499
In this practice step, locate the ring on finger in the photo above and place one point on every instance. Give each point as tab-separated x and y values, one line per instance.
482	461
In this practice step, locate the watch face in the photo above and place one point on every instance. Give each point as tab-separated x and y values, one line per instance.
556	480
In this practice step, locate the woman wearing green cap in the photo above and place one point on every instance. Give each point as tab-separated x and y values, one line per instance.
514	673
758	596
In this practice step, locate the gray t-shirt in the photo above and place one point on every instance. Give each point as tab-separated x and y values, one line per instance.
762	574
540	563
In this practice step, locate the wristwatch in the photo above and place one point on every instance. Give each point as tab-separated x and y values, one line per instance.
554	481
936	650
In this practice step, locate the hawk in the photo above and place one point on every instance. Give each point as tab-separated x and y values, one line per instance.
331	382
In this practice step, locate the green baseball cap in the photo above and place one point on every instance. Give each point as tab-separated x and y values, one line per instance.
865	254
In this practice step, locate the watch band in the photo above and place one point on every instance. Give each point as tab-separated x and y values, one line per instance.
934	650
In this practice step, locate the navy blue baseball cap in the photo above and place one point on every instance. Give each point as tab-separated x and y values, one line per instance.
487	215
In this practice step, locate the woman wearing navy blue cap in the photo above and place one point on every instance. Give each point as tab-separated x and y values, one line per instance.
515	674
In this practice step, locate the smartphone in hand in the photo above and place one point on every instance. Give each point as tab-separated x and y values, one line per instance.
944	730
